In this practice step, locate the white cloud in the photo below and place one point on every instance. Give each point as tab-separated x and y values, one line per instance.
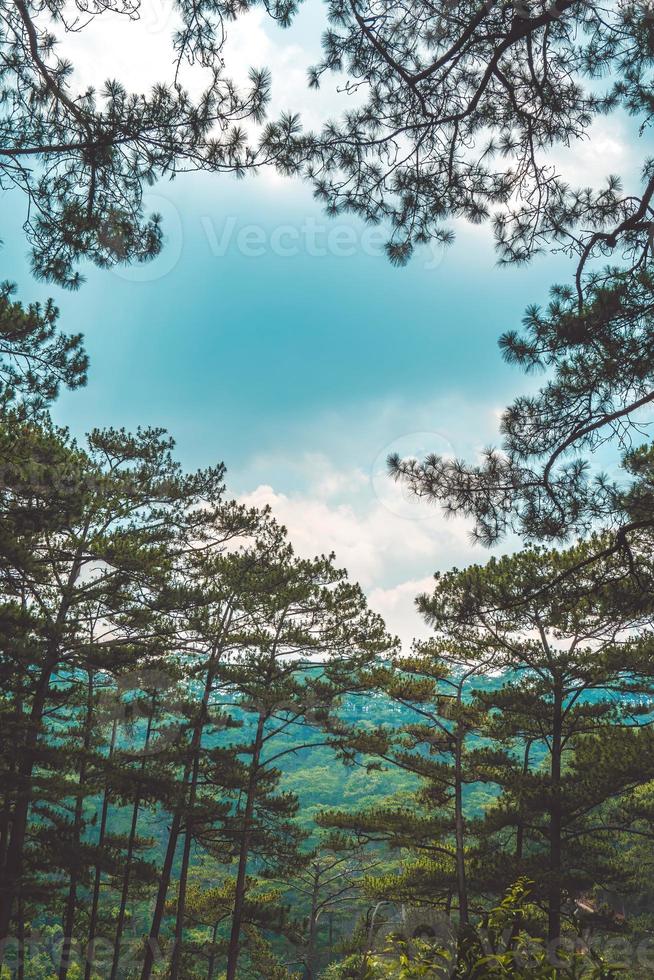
139	52
340	499
609	147
254	39
397	605
354	441
392	556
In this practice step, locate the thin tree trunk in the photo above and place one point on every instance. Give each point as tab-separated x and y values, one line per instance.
130	851
5	818
196	751
181	891
212	956
520	831
554	891
71	903
20	936
519	846
244	851
459	829
4	822
313	929
164	883
196	747
13	869
95	901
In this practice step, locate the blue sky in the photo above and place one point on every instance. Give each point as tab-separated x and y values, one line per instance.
283	342
240	353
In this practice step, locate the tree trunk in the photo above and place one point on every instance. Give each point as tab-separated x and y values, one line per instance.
164	882
554	890
177	823
12	871
4	823
196	751
519	847
181	892
71	903
20	936
239	896
95	900
313	928
520	831
212	956
5	818
459	829
130	852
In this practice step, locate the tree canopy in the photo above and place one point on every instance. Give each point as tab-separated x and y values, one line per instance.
458	109
84	157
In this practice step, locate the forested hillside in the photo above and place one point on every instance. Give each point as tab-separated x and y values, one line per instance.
215	744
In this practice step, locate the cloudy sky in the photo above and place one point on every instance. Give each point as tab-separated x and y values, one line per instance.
282	342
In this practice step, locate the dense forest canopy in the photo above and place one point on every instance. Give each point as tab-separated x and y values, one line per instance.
216	760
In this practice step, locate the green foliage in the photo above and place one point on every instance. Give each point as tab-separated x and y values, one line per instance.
459	111
35	359
84	158
500	947
186	704
599	377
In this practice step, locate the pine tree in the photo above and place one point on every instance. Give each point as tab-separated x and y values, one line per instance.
571	669
209	622
35	359
459	109
85	529
437	743
538	483
210	905
328	884
83	158
311	636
